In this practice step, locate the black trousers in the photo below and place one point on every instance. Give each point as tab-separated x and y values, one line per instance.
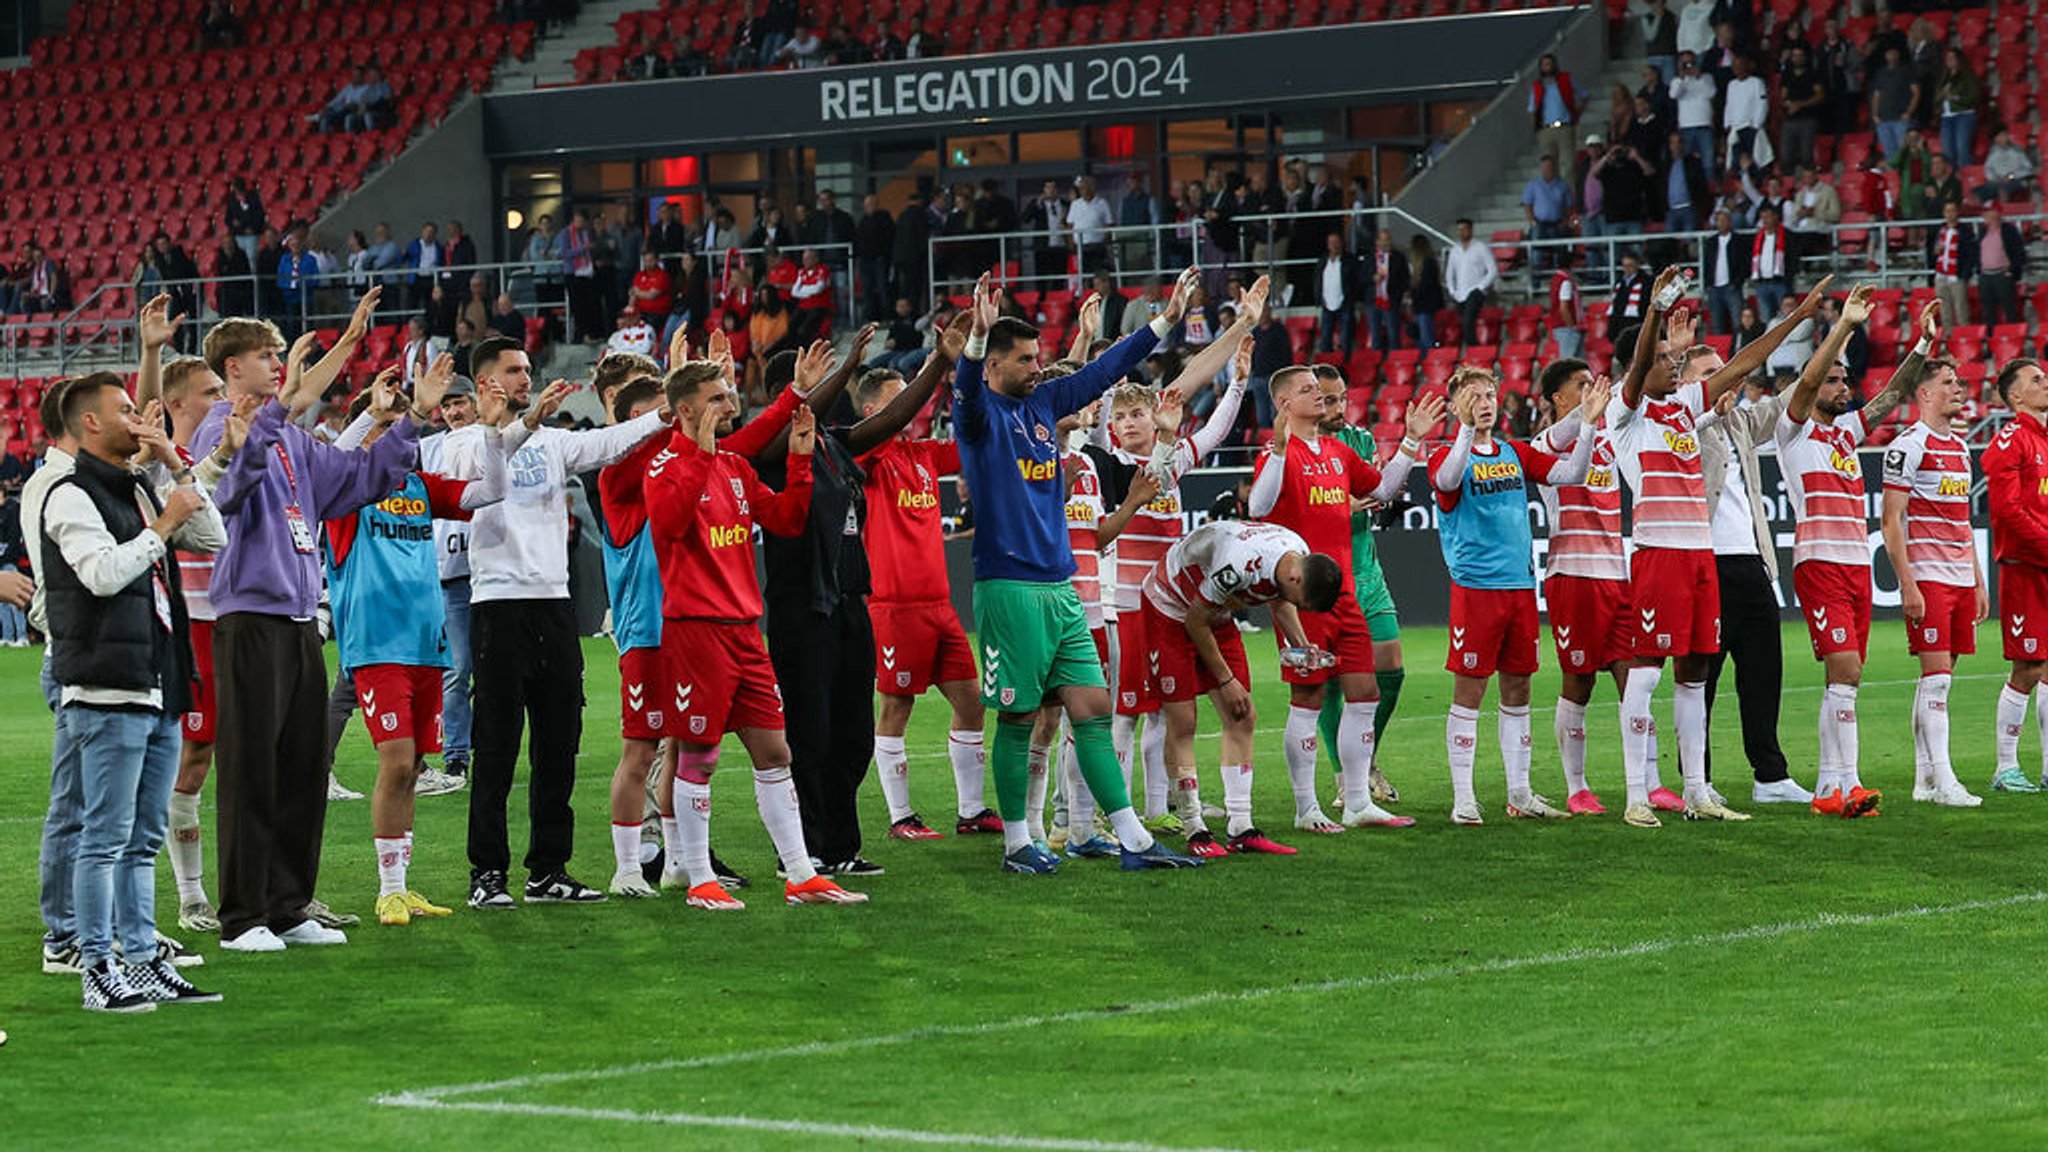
1750	634
528	675
826	666
270	777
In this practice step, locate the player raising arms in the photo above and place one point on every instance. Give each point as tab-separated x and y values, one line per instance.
1817	437
2016	480
1676	588
703	503
1481	484
1034	632
1942	593
1585	579
1306	482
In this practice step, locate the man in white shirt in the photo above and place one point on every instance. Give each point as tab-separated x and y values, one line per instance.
1469	274
633	335
1694	91
1090	217
527	657
1747	108
1336	287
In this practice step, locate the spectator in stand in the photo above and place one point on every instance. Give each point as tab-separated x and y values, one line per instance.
416	354
653	294
1425	292
1841	71
1140	209
1695	28
1802	97
1046	219
244	214
2001	261
42	288
1469	274
297	272
1952	255
13	278
633	335
219	27
1914	164
1143	310
768	332
691	301
1693	92
466	335
1770	261
1725	273
910	247
668	237
1337	282
1546	206
902	341
1625	181
721	234
1747	107
362	105
1812	208
1631	294
1592	193
1943	187
1386	282
1647	129
386	257
506	320
831	231
1553	111
812	292
1792	355
422	261
359	275
1090	217
458	256
770	231
1923	55
1656	92
874	243
803	50
2008	170
235	295
1894	92
181	275
1564	308
269	301
1686	191
647	61
476	307
1659	26
1749	328
544	253
579	273
924	44
1855	353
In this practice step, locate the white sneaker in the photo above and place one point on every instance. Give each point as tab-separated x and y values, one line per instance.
1786	791
674	879
632	884
1952	795
434	782
1374	816
1701	804
1530	806
1314	821
257	939
1467	814
336	790
311	932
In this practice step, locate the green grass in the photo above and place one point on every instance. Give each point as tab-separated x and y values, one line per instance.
1578	985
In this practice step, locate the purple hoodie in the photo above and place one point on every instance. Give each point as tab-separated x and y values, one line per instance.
260	570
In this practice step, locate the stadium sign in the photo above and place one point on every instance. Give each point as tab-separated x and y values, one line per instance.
980	90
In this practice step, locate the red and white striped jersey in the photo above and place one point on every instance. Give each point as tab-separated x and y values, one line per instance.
1223	561
195	570
1585	519
1933	470
1826	482
1658	448
1153	529
1084	513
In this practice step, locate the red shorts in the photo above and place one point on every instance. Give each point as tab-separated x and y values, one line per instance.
200	720
1590	622
1835	599
641	681
1676	610
1492	630
1137	686
917	646
2023	611
1341	630
720	680
401	702
1950	624
1181	675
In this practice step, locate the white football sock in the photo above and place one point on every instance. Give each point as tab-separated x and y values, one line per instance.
892	768
1568	724
1152	747
1130	831
1511	724
2041	719
1300	749
1461	745
775	798
1123	740
1689	716
1354	752
1638	732
1237	797
390	865
187	852
1080	801
626	848
1930	730
969	767
672	846
1838	705
1035	783
2012	716
1187	802
690	852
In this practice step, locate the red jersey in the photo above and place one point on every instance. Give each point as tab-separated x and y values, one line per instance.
906	542
1320	478
621	487
1825	479
812	287
656	281
1658	447
1084	516
1933	470
195	570
2016	479
1585	519
1564	300
703	507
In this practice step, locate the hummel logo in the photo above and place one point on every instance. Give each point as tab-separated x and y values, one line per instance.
1564	634
1649	619
888	658
683	696
1820	617
370	702
635	697
1457	637
2019	624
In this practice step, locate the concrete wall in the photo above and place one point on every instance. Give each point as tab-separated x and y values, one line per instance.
1501	135
442	177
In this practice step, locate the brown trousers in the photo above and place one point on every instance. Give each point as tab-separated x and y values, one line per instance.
270	768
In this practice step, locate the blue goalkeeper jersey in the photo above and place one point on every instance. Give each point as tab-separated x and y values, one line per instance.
1483	527
1010	455
632	575
384	576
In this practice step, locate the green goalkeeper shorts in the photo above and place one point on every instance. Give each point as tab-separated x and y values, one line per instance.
1034	641
1377	603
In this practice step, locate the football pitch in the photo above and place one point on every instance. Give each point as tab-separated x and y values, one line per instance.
1791	982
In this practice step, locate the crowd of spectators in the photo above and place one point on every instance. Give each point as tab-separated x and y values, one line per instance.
773	35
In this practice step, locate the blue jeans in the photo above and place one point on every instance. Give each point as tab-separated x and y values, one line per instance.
1385	327
60	826
455	708
1890	134
13	624
1681	220
1570	342
1958	135
1334	333
1425	331
1770	294
1700	142
1724	309
127	762
1666	66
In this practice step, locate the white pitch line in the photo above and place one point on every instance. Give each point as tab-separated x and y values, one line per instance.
421	1097
863	1132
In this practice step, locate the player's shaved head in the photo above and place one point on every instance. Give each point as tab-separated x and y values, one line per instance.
1322	581
2023	371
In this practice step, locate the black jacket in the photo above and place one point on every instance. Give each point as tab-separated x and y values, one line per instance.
824	565
874	238
1738	260
116	641
913	236
1428	288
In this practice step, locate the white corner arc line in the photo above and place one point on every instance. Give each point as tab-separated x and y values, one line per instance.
427	1097
862	1132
